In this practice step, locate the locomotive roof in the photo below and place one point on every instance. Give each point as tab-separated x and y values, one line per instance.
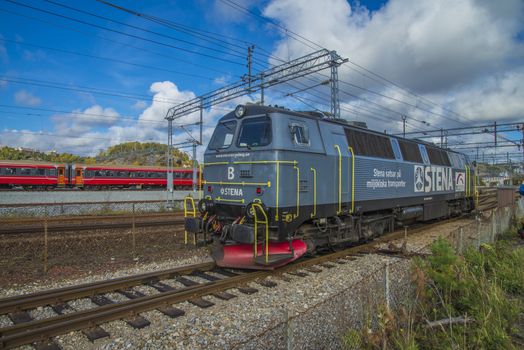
255	109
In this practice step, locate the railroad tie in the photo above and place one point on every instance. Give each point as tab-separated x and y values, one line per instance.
267	283
131	293
226	273
169	311
298	273
186	281
161	287
95	333
47	345
92	333
203	275
314	269
20	317
61	308
224	295
247	290
327	265
136	322
201	303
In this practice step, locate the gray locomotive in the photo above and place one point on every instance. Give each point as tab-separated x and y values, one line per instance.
279	184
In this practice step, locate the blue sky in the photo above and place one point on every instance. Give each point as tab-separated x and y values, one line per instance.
91	75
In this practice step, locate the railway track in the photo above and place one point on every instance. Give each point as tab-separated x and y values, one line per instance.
89	227
90	223
39	220
211	281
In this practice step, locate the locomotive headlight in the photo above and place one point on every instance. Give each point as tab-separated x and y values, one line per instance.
240	111
206	205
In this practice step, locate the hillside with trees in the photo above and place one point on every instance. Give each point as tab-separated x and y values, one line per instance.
129	153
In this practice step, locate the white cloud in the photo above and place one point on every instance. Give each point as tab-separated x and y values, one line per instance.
89	130
500	96
140	105
425	45
166	95
463	55
22	97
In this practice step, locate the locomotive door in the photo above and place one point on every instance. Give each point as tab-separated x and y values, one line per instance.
61	176
342	173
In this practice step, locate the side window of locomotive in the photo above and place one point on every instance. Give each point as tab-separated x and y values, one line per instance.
369	144
40	172
52	172
255	132
223	135
300	134
424	153
438	156
410	151
396	148
25	171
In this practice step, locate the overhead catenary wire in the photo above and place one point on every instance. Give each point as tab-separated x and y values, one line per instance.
109	59
234	53
170	57
125	34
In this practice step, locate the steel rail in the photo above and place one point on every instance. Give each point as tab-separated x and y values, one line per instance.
48	297
33	331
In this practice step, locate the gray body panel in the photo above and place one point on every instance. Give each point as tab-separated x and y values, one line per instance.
235	173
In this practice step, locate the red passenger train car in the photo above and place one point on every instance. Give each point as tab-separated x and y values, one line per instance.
39	175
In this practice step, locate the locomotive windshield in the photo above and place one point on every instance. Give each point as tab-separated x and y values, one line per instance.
255	132
223	135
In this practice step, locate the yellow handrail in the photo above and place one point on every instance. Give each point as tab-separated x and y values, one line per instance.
298	190
186	212
278	183
352	179
218	199
339	179
200	183
475	192
265	222
314	193
216	163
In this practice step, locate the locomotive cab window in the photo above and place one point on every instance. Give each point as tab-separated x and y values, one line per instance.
223	135
299	133
52	172
255	132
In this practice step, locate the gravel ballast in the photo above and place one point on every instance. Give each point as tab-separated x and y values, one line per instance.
309	312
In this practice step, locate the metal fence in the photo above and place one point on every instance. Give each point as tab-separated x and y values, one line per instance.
325	324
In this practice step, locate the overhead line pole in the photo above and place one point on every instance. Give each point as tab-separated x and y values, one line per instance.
294	69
